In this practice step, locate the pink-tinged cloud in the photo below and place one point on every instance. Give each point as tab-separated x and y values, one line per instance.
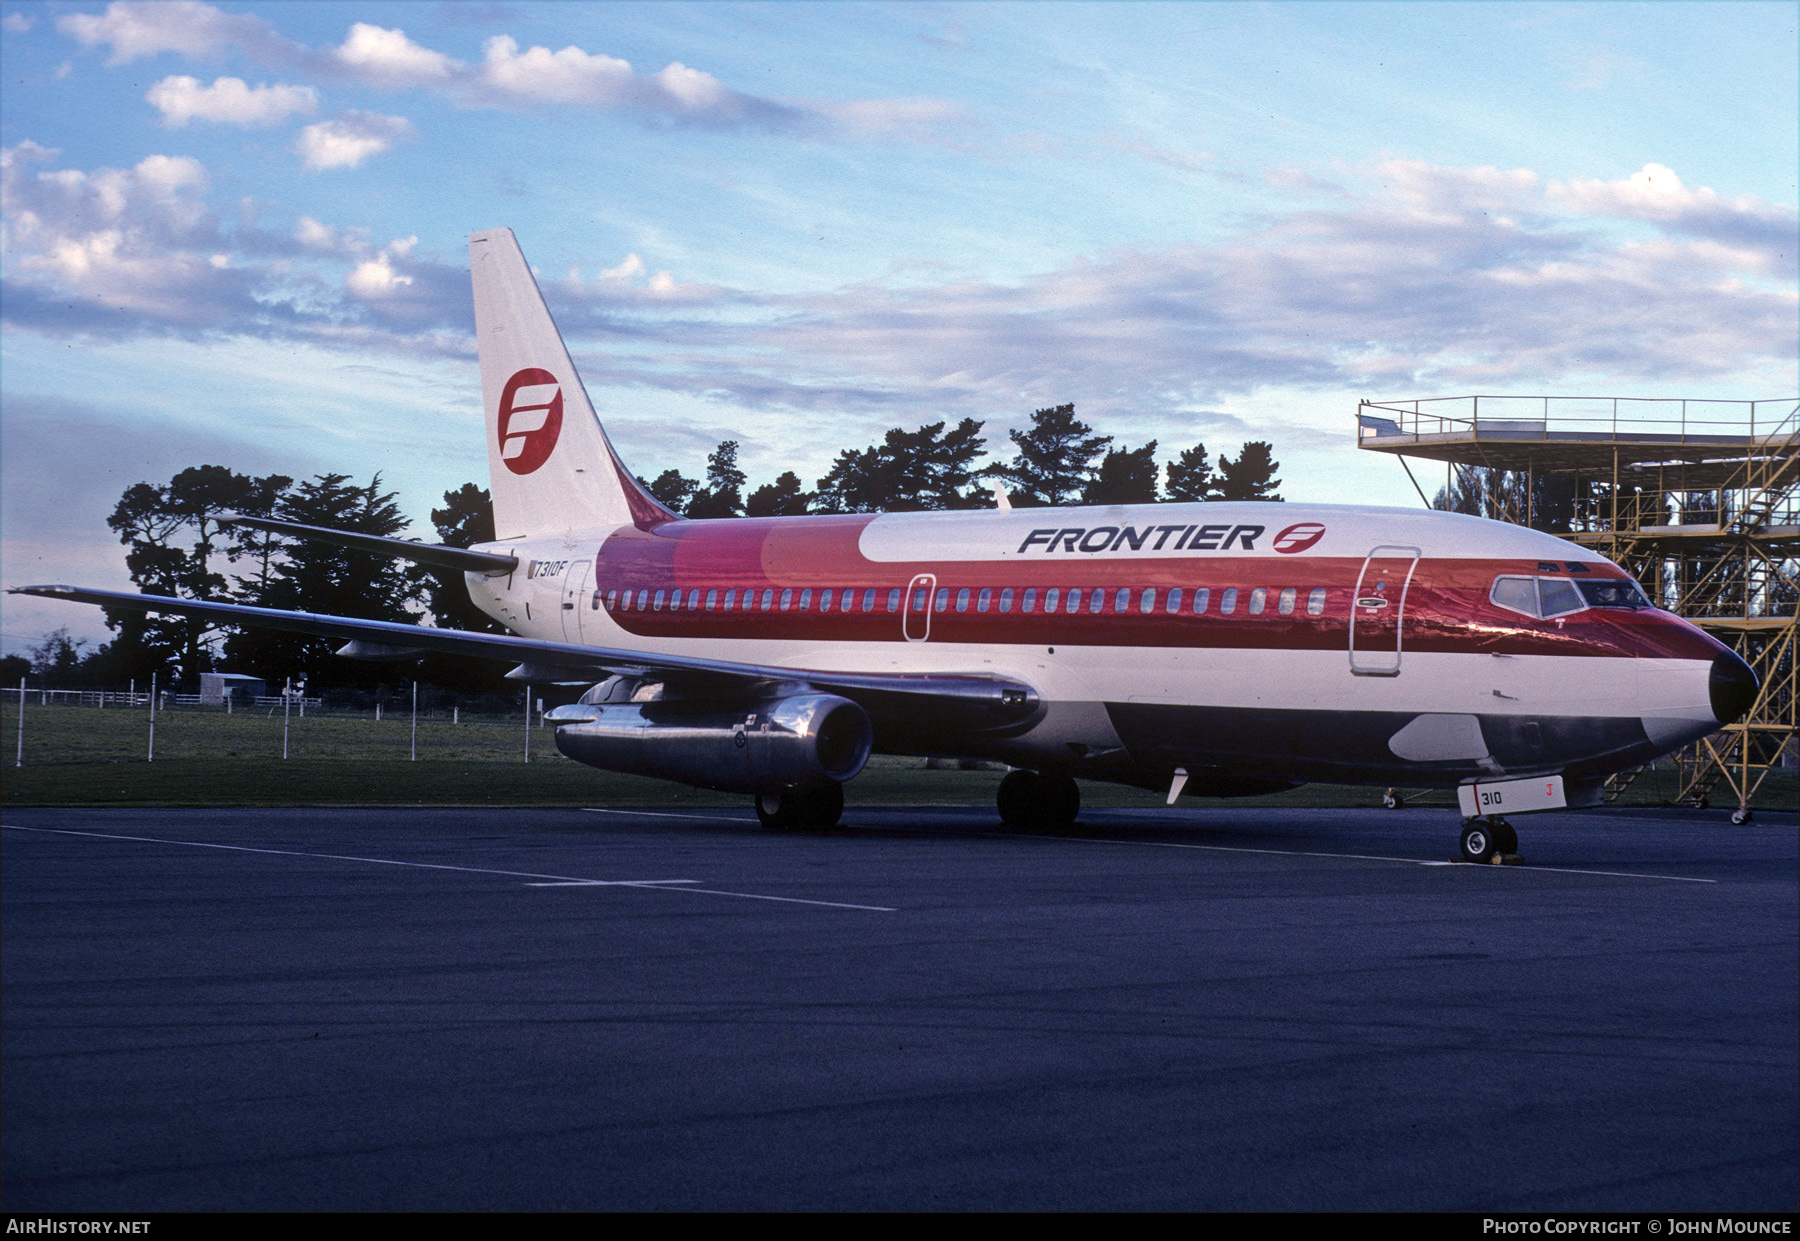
1411	277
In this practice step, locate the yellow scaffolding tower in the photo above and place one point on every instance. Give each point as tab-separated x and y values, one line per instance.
1699	500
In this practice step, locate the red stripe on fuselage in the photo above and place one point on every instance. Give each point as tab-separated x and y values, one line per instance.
1446	608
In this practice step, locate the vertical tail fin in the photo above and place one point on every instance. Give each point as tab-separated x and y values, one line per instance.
549	461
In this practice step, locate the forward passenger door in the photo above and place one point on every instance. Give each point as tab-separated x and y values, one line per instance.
1378	611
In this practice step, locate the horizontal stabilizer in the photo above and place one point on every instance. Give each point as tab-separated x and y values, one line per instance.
441	555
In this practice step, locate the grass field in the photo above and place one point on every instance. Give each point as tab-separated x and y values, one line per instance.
70	734
89	756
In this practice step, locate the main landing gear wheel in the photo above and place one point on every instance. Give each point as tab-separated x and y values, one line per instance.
1013	797
1027	799
1482	839
1740	817
1392	800
785	810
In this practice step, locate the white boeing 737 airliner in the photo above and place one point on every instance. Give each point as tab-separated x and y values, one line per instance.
1213	648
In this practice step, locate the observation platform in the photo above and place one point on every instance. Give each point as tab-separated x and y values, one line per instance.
1697	499
1709	441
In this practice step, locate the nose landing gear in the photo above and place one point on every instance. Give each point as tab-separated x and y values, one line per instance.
1489	839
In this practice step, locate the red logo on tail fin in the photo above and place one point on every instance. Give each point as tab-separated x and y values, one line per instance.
530	419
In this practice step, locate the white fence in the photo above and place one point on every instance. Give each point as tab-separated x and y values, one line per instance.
131	698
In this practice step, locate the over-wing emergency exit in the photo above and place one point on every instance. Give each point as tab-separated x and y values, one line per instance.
1215	649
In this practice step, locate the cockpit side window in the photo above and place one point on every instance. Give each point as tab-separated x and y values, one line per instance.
1515	594
1613	593
1557	596
1543	597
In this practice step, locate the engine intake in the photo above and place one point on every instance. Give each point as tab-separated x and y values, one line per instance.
803	740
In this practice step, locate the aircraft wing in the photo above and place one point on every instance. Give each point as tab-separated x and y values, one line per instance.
954	700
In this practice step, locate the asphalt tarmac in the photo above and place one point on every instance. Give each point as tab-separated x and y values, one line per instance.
1221	1008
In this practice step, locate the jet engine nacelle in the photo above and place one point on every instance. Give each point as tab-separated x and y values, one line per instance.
801	741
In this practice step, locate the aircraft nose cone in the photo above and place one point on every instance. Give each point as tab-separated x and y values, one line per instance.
1732	687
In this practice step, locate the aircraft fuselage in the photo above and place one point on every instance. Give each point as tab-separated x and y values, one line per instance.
1260	641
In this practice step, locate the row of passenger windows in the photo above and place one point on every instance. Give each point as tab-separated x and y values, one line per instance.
1093	600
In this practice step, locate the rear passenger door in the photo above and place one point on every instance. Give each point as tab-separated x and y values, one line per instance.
915	619
575	599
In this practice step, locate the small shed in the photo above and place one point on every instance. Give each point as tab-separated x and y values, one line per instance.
215	687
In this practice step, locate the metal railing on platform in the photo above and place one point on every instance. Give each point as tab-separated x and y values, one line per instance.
1624	419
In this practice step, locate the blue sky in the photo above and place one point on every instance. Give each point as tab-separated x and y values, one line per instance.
235	233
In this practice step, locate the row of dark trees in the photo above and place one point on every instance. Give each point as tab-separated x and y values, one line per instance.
178	543
1058	459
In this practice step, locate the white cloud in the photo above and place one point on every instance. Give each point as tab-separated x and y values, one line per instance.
163	196
16	22
1415	277
187	27
375	277
632	266
1407	276
116	236
539	75
229	101
506	77
138	242
1655	194
350	139
122	252
1432	190
571	77
314	235
692	89
389	60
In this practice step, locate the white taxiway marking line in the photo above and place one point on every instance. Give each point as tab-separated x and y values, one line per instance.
699	815
1370	857
662	885
1164	844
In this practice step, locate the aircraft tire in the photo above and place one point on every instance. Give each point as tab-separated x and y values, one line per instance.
1506	840
1478	844
826	805
1057	803
1740	817
775	810
1014	797
792	809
